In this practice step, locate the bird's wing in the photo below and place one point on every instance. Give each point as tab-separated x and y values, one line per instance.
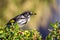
22	20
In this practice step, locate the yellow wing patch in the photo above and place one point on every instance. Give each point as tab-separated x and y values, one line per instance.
12	21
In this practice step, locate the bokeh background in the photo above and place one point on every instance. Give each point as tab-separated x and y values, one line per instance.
47	11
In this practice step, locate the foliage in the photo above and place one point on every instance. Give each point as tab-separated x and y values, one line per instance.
55	32
15	33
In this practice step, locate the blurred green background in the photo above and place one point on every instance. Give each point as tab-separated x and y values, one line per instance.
11	8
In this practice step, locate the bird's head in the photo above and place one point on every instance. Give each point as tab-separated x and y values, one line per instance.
28	13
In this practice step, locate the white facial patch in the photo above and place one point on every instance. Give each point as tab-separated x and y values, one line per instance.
29	18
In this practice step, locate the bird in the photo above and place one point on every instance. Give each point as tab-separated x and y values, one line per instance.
21	19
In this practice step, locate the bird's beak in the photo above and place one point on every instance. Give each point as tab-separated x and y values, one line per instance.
33	14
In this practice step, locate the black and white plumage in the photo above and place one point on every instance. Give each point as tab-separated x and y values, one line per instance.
21	19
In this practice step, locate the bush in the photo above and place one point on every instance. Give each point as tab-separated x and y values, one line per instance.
15	33
55	32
